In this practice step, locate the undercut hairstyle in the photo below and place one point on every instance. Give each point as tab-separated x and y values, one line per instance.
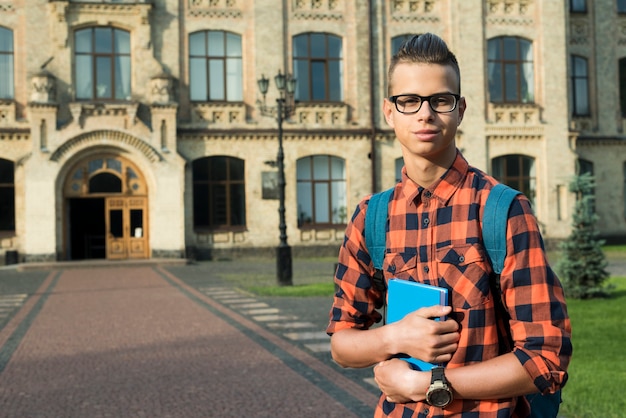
424	49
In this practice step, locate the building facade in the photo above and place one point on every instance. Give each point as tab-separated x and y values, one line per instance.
134	129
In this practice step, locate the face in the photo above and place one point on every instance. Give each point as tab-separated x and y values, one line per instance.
425	134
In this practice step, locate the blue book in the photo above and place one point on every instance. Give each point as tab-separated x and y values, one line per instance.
404	297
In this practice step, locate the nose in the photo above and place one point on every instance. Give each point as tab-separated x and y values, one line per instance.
425	111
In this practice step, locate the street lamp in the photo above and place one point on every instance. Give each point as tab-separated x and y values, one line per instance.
285	107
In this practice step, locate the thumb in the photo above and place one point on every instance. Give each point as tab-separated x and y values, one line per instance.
434	311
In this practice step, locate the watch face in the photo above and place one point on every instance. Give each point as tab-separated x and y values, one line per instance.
440	397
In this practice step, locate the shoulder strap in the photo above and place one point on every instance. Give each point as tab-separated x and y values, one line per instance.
495	218
375	232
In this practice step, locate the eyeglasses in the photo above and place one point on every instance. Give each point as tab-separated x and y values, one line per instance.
412	103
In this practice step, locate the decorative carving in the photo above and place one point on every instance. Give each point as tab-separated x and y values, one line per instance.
510	12
318	9
44	88
414	11
579	32
331	115
106	137
214	9
161	89
7	112
221	115
6	7
514	114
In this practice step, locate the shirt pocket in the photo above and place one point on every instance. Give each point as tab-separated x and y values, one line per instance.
464	270
400	265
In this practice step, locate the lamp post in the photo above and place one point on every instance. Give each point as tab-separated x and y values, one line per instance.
285	107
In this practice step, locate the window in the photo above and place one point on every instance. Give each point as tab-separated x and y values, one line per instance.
321	190
578	6
580	86
517	171
7	196
102	64
621	6
399	164
318	68
511	73
624	190
215	66
219	199
622	85
397	41
6	64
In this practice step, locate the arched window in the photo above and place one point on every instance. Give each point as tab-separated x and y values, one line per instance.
321	190
510	70
517	171
7	196
215	66
317	65
580	86
219	198
102	67
6	64
397	41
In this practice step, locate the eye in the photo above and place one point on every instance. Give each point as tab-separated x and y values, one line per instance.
443	100
409	101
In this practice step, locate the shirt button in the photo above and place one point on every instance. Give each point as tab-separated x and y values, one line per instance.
392	268
426	222
426	269
461	259
428	194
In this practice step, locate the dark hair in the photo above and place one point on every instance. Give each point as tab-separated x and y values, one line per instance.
424	49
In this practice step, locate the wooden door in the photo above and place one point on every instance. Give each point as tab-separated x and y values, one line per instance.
126	228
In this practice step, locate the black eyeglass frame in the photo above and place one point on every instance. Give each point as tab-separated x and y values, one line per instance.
423	99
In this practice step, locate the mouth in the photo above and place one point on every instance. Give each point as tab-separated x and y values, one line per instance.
426	134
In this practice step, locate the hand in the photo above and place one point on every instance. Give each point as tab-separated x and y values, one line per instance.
423	338
399	383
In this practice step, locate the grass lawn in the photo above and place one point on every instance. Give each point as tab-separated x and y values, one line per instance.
597	373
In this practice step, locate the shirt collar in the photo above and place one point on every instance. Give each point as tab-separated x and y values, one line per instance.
443	189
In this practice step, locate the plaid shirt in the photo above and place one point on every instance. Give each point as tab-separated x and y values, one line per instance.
434	237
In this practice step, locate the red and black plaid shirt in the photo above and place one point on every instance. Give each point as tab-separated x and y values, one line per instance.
434	237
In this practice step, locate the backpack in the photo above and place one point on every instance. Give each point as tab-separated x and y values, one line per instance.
494	239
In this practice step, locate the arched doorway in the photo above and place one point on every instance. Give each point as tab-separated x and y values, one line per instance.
106	202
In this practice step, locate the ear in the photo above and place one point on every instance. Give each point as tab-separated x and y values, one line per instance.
388	110
462	105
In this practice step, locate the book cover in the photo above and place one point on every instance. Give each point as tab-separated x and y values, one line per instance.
404	297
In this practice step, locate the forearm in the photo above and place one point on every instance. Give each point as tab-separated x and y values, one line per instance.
360	348
500	377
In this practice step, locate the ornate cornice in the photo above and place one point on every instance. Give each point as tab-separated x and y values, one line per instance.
6	7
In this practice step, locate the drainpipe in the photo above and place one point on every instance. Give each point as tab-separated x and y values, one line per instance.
372	94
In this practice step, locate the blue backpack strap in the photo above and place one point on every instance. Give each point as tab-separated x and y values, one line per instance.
375	231
495	218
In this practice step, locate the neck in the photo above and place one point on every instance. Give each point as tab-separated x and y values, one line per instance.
425	172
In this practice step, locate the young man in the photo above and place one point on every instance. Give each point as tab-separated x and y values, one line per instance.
434	237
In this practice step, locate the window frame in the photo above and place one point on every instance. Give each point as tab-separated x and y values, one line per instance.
230	56
519	64
621	6
8	54
576	91
229	185
116	71
330	180
525	180
304	65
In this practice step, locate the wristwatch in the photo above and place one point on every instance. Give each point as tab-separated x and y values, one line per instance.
439	393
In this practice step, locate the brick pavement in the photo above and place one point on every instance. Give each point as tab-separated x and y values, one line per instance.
141	341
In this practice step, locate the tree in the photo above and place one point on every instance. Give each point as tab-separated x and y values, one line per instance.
582	265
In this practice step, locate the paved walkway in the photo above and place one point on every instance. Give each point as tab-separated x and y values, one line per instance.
155	341
162	339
